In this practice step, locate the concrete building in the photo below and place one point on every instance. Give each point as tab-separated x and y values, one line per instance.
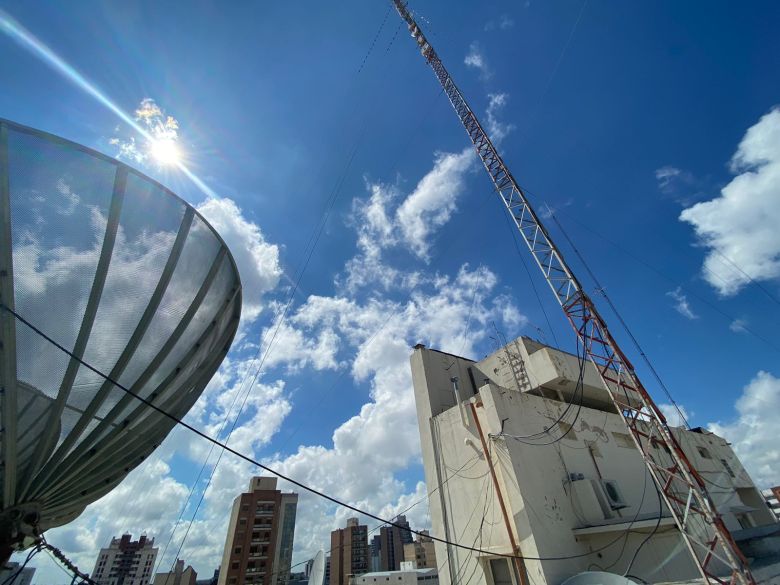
772	497
421	552
126	562
574	486
259	543
392	540
349	553
405	576
391	553
179	575
22	576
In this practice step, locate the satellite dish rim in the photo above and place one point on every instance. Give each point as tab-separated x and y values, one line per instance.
54	138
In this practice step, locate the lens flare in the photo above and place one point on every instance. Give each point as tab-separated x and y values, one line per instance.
23	37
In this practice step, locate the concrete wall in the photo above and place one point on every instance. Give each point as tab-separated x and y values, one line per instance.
553	489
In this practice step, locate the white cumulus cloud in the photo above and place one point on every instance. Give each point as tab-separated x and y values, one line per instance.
739	227
754	431
256	258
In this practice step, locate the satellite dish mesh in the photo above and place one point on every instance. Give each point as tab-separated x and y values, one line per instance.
127	277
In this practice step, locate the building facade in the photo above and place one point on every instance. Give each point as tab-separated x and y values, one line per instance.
126	562
179	575
421	552
259	543
573	483
349	553
404	576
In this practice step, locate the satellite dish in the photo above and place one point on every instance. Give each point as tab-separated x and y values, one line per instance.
317	574
129	278
598	578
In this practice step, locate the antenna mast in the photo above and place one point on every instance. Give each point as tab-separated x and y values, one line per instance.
681	486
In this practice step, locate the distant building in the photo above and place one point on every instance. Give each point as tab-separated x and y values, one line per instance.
375	552
405	576
405	530
326	580
23	576
421	552
772	497
259	543
392	545
298	578
212	581
179	576
348	552
126	562
572	480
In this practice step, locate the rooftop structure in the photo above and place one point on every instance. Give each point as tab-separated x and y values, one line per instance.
101	270
407	575
528	443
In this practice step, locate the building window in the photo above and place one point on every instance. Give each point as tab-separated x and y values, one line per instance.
705	454
728	467
501	572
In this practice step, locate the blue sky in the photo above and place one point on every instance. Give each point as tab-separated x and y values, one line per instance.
620	116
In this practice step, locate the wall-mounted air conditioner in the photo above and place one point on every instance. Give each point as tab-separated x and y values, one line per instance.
613	493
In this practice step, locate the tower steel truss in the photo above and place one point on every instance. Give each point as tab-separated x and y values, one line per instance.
681	486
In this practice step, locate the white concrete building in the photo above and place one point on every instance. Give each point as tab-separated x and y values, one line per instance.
575	489
126	562
406	576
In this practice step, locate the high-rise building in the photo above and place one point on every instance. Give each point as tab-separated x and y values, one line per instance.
392	547
405	530
179	575
375	563
349	554
126	562
259	543
421	552
562	477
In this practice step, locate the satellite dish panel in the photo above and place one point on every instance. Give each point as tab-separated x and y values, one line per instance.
317	574
131	280
598	578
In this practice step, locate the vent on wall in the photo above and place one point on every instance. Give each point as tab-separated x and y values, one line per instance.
613	493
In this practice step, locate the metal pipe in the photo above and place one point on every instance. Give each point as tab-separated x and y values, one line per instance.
518	559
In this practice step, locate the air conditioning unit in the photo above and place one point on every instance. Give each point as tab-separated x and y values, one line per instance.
613	493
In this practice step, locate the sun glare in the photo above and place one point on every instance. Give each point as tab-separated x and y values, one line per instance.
165	151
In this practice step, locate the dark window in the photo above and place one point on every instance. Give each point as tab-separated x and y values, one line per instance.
728	467
501	572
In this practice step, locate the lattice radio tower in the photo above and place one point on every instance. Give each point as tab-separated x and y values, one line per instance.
682	487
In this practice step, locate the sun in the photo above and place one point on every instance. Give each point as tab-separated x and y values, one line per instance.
165	151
